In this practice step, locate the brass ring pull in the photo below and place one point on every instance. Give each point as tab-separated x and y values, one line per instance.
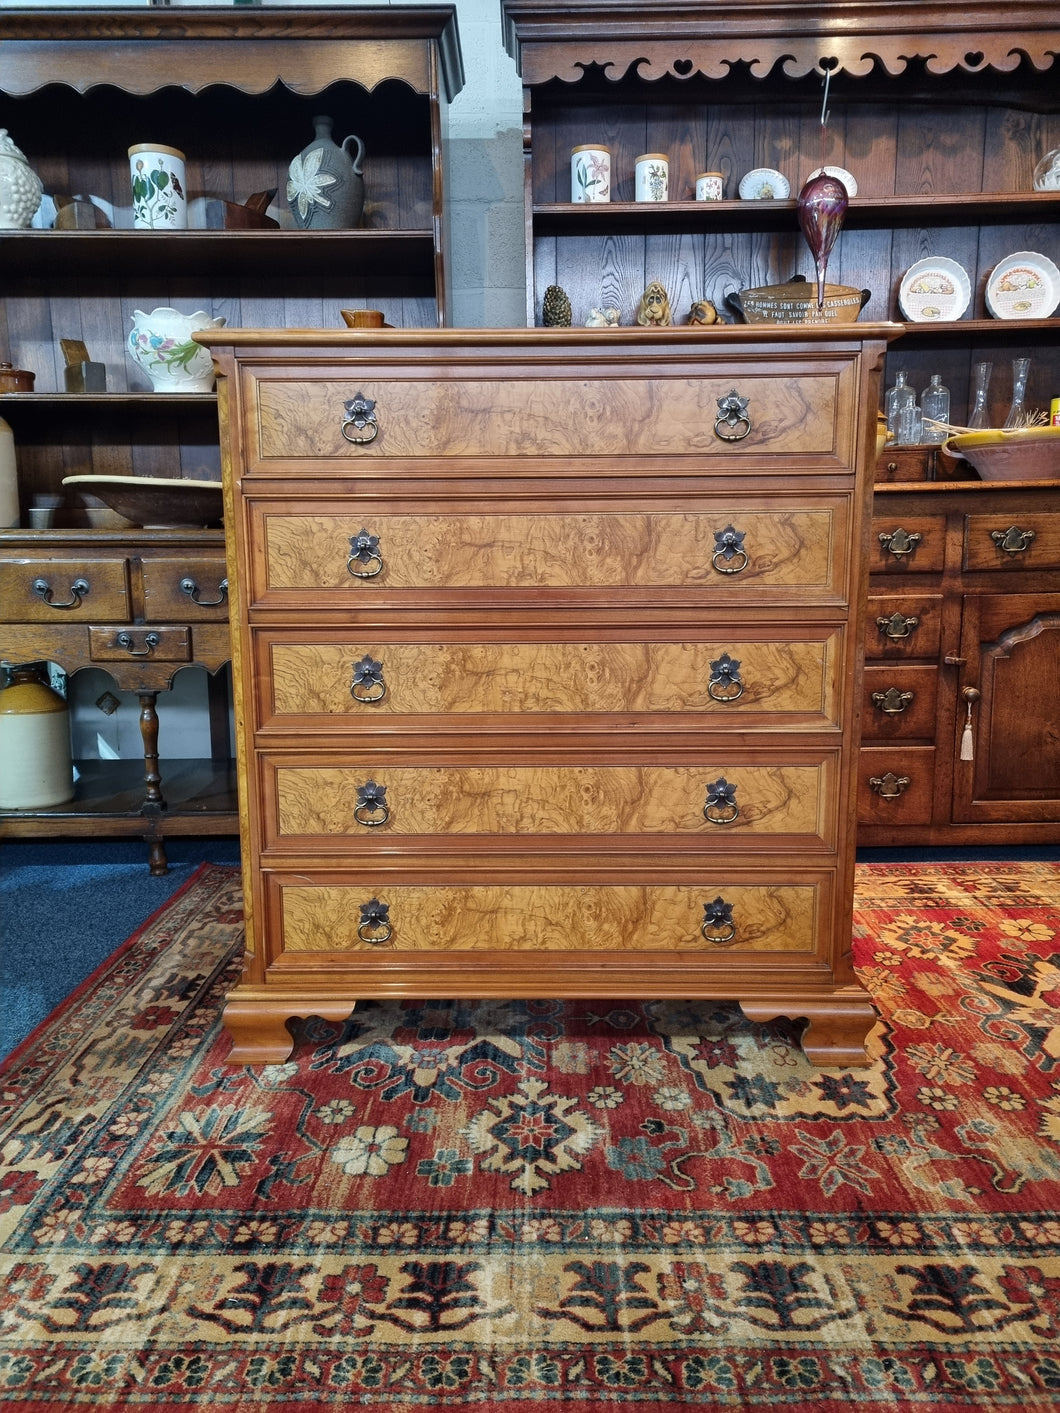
1012	541
724	677
900	542
728	547
374	927
126	641
721	806
360	415
368	685
371	800
364	549
732	423
79	588
189	587
718	928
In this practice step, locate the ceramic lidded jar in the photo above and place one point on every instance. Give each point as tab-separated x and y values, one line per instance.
20	187
161	344
325	185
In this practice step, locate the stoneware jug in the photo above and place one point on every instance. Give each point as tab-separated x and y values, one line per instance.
325	185
20	187
161	344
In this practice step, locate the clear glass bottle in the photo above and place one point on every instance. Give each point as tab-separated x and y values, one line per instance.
896	397
1016	414
909	430
935	405
979	416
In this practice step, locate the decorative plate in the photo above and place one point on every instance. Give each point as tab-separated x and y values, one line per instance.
841	175
934	289
764	184
1025	285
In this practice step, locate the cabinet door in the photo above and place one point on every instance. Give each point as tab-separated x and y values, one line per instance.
1011	644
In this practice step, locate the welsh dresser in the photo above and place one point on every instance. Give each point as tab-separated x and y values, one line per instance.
547	657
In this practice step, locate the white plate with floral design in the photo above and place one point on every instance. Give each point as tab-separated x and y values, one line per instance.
841	175
934	289
1024	285
765	184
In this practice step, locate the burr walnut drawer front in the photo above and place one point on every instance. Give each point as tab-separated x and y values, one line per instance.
907	545
1028	540
54	589
373	801
384	917
903	626
461	680
181	588
779	550
727	412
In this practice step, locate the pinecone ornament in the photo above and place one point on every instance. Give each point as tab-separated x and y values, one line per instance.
555	308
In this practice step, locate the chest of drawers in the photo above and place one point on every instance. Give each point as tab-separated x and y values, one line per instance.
547	651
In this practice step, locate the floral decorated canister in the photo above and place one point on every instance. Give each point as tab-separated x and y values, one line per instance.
161	344
159	189
652	172
590	174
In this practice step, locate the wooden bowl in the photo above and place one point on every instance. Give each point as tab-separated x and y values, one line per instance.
1029	454
155	502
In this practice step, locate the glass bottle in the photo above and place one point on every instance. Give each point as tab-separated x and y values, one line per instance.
935	405
896	397
909	430
1015	418
979	417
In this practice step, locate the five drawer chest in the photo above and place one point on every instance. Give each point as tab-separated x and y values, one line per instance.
547	649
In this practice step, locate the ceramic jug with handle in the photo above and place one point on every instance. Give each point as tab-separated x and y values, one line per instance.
325	184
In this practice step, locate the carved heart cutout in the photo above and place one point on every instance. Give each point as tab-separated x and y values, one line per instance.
683	67
973	60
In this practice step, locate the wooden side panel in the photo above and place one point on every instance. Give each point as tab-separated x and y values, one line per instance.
322	801
474	918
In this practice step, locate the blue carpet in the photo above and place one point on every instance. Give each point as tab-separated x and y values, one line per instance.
67	906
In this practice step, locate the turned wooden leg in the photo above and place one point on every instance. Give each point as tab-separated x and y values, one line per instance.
153	797
838	1030
157	861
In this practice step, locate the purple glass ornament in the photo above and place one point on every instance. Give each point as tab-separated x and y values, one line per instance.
822	205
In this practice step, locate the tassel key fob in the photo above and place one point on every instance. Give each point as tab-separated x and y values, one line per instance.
971	696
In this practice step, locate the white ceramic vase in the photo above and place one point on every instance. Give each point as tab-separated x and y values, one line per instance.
20	187
161	344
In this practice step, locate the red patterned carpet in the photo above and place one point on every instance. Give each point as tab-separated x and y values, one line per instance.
513	1206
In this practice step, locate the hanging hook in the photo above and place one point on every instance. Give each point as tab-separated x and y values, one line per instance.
824	97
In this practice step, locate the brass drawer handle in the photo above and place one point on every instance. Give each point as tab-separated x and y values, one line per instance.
724	678
189	587
360	414
728	546
374	927
127	641
368	685
892	702
371	801
897	626
899	541
889	786
79	588
732	423
721	806
1012	541
364	549
718	927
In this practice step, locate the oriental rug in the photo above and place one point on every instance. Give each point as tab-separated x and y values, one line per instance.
513	1206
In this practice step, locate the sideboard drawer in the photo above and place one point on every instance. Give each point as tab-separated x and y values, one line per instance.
895	784
372	800
310	682
903	626
54	590
899	702
795	414
161	644
1009	543
791	552
178	588
321	915
907	544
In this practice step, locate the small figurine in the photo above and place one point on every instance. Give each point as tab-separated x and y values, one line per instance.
606	318
703	312
654	309
555	308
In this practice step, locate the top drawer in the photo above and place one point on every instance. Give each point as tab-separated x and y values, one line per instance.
53	589
804	419
1007	542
